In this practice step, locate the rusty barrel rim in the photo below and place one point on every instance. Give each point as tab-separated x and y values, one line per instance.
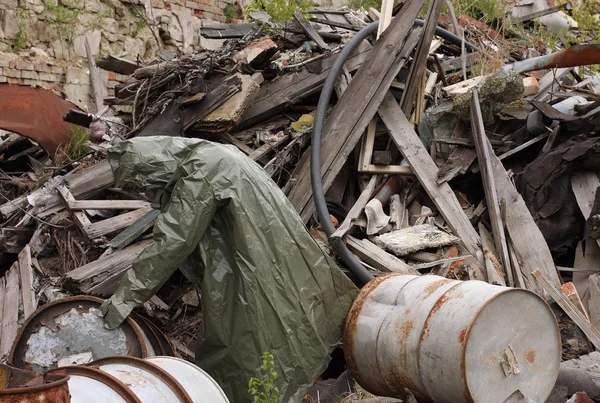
33	320
350	323
102	377
148	366
60	379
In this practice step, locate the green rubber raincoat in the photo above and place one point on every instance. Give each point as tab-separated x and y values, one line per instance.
266	284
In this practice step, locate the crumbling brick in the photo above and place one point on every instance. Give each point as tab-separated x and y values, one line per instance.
15	81
48	77
12	73
33	83
4	63
3	79
30	75
24	65
193	5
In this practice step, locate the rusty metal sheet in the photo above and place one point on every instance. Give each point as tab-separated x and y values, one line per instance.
34	113
18	386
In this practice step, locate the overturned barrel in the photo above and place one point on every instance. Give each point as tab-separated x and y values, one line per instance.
451	341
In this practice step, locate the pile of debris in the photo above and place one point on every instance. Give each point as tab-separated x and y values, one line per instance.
424	170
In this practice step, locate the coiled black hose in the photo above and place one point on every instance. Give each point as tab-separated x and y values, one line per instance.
353	264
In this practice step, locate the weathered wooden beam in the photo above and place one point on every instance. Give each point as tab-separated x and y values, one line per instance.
276	96
352	114
570	309
134	231
414	152
310	31
484	151
377	257
26	279
10	312
356	209
106	204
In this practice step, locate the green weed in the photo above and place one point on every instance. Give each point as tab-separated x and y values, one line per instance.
263	389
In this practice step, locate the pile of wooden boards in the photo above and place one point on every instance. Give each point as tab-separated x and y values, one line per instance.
425	169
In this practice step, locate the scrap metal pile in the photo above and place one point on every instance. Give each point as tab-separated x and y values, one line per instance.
446	149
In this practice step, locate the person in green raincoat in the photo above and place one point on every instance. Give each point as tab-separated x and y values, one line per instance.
265	283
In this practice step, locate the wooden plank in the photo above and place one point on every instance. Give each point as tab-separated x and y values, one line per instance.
385	16
10	313
117	65
83	185
98	87
377	257
456	63
115	224
131	233
417	68
570	309
414	152
243	147
108	266
352	114
80	218
349	27
2	297
594	302
276	96
310	32
484	150
106	204
530	246
26	277
265	148
366	150
356	209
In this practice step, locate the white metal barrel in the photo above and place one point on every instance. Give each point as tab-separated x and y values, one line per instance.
197	383
451	341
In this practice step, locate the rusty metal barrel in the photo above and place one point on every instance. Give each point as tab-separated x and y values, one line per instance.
451	341
19	386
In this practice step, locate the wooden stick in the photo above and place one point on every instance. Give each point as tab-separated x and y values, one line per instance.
484	149
98	87
26	277
570	309
10	312
377	257
413	150
106	204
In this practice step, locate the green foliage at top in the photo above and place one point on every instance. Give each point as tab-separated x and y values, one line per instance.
364	4
281	11
263	389
229	13
490	12
64	19
21	36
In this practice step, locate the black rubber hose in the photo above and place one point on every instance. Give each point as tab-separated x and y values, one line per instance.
338	244
449	36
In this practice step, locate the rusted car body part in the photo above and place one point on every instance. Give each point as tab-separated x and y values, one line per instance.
19	386
87	384
34	113
451	341
578	55
71	326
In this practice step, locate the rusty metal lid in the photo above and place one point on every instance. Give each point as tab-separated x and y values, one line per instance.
72	327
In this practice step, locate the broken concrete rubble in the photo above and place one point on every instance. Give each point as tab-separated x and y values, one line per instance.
465	176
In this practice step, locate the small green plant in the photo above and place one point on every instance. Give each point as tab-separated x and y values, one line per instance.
263	389
229	12
75	148
281	11
64	19
21	36
364	4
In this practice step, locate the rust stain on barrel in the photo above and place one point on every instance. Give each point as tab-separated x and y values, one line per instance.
350	326
530	356
430	289
462	335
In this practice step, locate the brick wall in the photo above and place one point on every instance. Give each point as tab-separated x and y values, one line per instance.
65	79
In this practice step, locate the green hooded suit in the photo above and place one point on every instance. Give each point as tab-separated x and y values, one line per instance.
266	284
